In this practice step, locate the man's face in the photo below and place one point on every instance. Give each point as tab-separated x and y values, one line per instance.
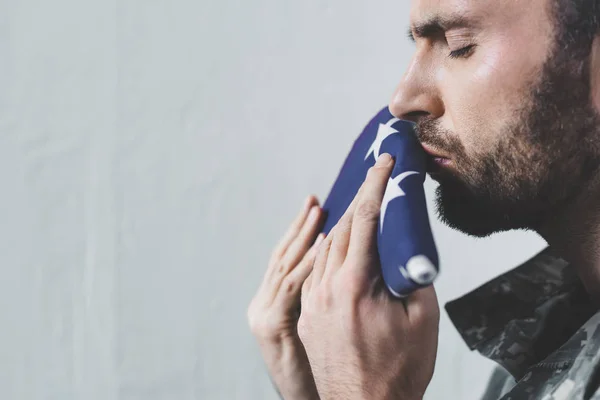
505	108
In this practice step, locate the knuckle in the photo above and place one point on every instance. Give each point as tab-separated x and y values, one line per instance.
290	285
262	322
349	315
376	171
382	169
302	327
283	267
368	210
371	173
348	304
254	323
256	329
324	297
428	316
264	328
352	284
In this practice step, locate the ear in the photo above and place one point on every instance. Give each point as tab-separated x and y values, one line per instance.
595	73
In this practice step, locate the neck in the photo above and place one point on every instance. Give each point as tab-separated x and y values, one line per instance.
574	235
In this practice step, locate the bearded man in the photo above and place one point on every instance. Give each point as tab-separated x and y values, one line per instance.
506	98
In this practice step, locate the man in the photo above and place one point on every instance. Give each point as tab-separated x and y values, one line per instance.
506	97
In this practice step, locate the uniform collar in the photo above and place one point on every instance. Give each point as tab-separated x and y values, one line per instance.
521	317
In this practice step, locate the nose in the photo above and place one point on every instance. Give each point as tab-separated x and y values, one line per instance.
416	96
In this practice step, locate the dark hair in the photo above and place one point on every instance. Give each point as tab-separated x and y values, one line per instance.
577	23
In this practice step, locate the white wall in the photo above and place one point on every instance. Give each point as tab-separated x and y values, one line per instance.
151	153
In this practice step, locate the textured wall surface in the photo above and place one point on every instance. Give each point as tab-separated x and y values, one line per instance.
152	152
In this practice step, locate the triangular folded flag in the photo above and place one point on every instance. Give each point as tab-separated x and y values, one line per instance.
407	250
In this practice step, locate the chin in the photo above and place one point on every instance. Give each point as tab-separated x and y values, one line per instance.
467	224
472	214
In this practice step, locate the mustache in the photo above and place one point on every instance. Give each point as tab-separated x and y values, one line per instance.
429	131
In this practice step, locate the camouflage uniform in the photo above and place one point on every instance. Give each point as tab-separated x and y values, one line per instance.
539	324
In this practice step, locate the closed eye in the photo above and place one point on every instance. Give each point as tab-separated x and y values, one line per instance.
463	52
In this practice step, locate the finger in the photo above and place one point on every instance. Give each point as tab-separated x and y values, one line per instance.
289	293
295	227
279	270
339	245
423	308
287	239
306	287
363	238
305	238
321	259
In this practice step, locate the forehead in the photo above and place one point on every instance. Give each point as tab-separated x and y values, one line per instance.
482	11
426	8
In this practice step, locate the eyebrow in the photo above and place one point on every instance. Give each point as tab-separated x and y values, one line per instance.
437	25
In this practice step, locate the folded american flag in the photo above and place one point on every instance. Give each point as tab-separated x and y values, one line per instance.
407	251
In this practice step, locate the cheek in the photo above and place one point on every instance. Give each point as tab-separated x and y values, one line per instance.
483	94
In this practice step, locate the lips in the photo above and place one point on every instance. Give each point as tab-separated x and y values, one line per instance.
436	160
434	153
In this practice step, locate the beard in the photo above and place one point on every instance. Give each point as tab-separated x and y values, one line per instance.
545	159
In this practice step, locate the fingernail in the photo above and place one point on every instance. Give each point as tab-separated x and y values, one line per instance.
384	159
313	213
307	202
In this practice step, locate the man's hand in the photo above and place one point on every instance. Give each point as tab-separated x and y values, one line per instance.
362	342
273	312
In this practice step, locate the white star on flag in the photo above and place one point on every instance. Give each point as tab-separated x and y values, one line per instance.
393	191
382	133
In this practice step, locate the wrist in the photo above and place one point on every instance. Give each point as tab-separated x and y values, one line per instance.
289	368
281	347
401	395
396	394
370	390
387	397
274	336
